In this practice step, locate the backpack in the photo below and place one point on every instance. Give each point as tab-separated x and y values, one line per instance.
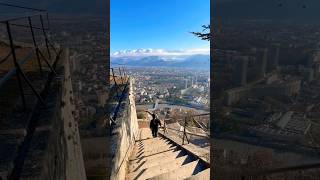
152	123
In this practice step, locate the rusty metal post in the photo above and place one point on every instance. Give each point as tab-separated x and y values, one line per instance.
38	52
18	70
120	71
35	45
115	82
124	73
165	131
184	129
120	75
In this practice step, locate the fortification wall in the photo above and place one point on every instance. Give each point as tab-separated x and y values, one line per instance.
55	149
124	135
74	160
106	155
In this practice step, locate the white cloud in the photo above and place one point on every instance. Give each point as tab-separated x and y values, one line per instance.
160	52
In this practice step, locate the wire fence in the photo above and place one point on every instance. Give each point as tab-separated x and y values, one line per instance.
119	82
193	130
28	61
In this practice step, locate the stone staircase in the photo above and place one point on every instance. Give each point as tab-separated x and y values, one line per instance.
160	159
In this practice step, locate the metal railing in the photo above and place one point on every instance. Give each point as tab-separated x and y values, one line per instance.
39	85
121	74
120	91
185	126
120	82
40	56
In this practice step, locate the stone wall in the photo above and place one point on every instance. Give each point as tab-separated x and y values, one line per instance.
54	151
106	154
46	157
74	160
123	136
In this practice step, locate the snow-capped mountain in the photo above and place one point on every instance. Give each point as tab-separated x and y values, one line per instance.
159	57
137	52
159	52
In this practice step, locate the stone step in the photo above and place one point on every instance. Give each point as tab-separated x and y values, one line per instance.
203	175
183	172
157	170
151	140
163	139
144	164
148	147
152	152
166	154
137	150
151	144
138	144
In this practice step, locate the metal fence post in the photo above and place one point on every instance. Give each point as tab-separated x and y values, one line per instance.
35	45
124	73
18	70
184	129
38	52
115	82
120	75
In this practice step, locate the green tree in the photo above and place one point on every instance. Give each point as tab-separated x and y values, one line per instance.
205	34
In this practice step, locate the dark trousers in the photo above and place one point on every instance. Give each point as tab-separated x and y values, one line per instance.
154	132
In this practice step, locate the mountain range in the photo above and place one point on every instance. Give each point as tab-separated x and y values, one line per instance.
197	61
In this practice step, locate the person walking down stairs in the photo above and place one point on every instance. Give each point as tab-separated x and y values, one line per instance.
154	124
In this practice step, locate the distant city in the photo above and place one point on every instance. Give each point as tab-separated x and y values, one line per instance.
88	54
266	98
186	87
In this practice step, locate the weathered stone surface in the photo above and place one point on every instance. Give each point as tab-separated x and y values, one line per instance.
152	160
124	134
41	140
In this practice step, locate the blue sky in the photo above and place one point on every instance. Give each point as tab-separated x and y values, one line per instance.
157	24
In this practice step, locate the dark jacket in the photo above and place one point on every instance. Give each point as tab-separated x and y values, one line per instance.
154	123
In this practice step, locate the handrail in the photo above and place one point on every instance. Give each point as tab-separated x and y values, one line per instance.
184	128
112	120
190	133
17	70
45	81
